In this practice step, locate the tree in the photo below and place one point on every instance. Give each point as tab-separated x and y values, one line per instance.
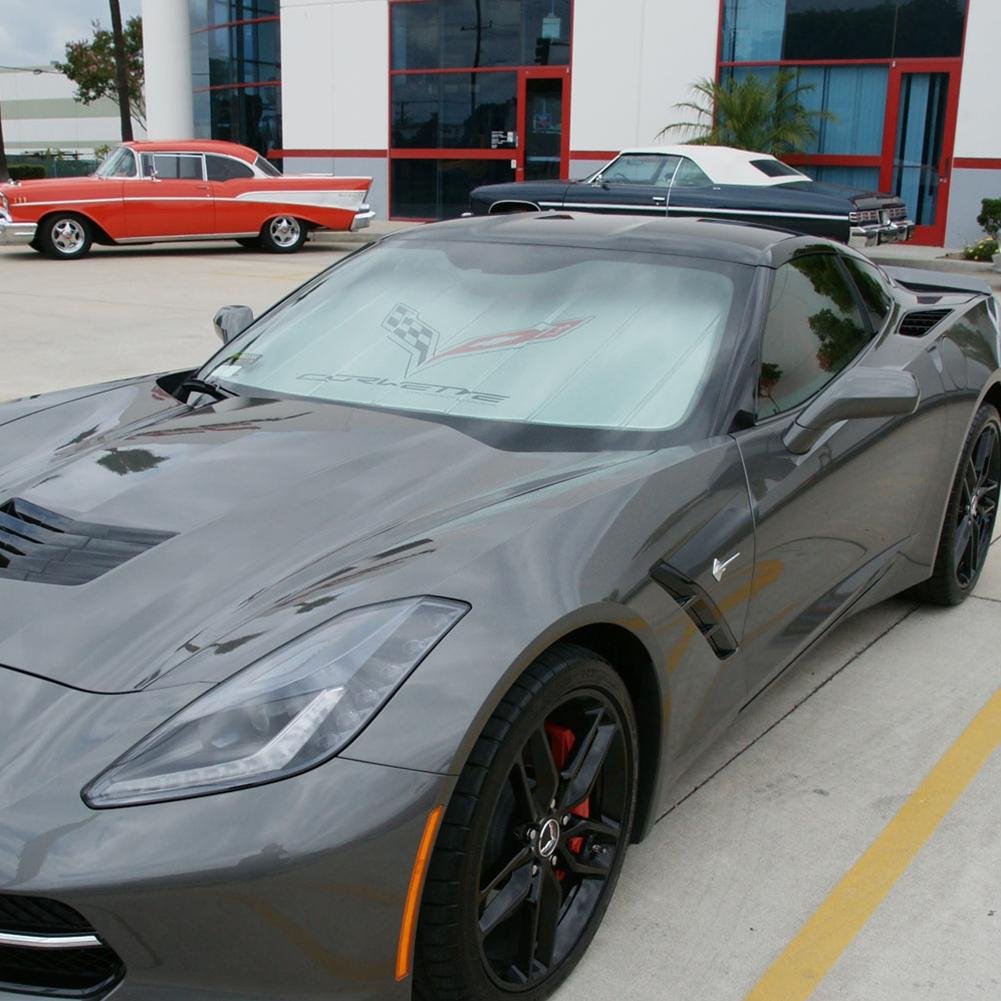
761	113
90	64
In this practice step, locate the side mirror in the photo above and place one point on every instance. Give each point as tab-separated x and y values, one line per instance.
859	394
231	321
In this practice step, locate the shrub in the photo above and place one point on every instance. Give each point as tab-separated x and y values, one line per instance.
989	219
26	172
982	251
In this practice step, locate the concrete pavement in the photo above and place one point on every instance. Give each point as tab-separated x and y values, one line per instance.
774	816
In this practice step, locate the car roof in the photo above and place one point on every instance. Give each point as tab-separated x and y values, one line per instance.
738	243
194	146
723	164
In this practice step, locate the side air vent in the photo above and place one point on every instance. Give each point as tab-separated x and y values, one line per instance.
699	607
48	548
918	324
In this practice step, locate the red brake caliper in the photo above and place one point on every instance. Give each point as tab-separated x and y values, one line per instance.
561	742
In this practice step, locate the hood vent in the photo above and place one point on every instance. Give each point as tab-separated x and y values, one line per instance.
918	324
47	548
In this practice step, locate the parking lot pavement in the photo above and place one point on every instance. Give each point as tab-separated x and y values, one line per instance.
769	822
130	310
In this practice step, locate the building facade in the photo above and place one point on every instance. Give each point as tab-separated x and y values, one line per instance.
432	97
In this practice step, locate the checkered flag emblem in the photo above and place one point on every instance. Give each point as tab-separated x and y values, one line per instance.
406	328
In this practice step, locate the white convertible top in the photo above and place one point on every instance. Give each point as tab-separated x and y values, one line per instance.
724	165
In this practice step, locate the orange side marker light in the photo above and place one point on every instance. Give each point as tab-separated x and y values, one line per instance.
408	928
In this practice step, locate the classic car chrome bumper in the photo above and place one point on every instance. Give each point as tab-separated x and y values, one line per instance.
16	232
363	219
881	232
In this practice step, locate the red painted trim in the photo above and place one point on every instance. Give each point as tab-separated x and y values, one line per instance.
236	24
976	163
237	86
719	38
278	154
594	154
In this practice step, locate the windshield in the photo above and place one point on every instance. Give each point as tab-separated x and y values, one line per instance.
579	338
120	162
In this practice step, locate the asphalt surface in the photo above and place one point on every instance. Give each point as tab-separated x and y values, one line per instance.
842	841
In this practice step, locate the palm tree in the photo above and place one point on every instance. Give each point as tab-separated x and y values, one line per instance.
762	113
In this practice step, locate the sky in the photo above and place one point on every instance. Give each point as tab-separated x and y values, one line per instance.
35	32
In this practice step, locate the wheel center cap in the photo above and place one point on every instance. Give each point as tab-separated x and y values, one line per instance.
974	505
549	838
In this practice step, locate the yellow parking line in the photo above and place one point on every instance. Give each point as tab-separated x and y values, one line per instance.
808	958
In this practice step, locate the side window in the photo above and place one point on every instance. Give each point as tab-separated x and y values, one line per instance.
224	168
690	175
872	289
641	168
172	166
814	329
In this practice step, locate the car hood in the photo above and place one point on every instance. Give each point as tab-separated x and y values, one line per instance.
253	502
38	187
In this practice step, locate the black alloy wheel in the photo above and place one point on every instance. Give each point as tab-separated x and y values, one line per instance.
534	838
971	515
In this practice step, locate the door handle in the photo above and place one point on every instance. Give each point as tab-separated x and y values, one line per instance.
660	199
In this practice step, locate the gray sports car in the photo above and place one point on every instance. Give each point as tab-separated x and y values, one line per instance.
348	665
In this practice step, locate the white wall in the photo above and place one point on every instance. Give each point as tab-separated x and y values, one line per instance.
632	61
335	74
978	132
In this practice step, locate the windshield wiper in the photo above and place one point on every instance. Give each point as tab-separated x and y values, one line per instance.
192	385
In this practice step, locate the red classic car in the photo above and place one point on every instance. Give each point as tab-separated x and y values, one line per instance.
147	192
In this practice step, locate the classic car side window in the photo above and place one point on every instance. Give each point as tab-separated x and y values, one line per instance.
173	166
872	290
225	168
690	175
641	168
813	330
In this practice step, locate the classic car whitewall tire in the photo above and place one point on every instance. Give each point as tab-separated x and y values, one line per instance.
283	235
64	236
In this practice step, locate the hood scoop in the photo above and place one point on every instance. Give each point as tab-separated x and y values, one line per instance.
47	548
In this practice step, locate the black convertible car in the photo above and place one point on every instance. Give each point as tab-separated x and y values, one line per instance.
713	182
348	665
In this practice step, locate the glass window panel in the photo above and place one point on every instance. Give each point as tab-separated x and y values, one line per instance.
460	34
753	30
872	287
920	138
439	189
248	115
930	28
225	168
814	329
172	167
641	168
839	29
690	175
452	110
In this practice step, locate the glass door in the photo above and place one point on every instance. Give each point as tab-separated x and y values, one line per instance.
917	160
543	124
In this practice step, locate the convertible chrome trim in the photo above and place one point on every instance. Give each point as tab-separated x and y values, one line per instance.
18	940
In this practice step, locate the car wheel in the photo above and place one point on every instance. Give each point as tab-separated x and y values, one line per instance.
65	236
970	516
534	837
250	242
283	235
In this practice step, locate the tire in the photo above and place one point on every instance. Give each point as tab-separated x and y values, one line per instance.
64	236
526	826
250	243
970	516
284	234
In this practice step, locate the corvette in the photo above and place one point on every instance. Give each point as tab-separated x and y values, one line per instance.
348	665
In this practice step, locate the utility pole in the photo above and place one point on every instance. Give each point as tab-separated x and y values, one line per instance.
4	172
121	71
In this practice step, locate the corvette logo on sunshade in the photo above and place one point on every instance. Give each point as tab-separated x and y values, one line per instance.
407	329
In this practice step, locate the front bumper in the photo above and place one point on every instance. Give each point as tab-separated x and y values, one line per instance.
291	891
874	234
363	219
15	233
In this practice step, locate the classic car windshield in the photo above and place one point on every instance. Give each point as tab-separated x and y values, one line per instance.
537	334
120	162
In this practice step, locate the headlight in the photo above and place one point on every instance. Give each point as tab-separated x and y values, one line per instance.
289	712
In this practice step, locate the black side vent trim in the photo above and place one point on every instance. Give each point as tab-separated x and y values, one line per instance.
699	607
918	324
47	548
